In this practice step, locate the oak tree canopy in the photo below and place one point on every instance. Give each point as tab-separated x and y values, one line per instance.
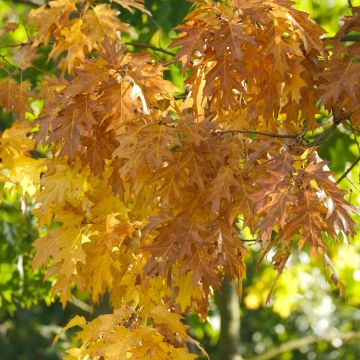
143	193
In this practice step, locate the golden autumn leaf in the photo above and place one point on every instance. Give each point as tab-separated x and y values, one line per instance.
161	315
76	321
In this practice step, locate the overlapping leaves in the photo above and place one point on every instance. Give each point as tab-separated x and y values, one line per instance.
141	194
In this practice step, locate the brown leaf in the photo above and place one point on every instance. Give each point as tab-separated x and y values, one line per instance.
24	57
14	97
222	185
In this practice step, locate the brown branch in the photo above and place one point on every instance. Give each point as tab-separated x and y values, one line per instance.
148	46
346	173
321	138
305	341
351	37
324	136
250	240
350	4
171	62
181	96
262	133
329	132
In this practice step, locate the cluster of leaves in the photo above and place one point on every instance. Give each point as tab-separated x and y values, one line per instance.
145	190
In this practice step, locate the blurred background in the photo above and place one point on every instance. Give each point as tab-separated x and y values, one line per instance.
306	318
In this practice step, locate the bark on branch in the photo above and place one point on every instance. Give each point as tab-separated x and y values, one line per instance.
148	46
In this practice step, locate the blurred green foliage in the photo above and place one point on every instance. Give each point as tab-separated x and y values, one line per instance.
326	13
20	286
304	303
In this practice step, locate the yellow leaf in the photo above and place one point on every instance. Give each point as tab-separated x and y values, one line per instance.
186	290
161	315
76	321
101	21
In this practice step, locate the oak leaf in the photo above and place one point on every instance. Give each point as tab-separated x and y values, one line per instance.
14	96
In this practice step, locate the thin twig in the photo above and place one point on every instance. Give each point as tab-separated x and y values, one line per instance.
351	37
171	62
250	240
181	96
234	132
148	46
262	133
27	34
354	186
15	45
321	138
328	133
351	6
346	173
6	60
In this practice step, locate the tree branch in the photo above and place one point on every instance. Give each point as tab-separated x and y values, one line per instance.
326	135
15	45
329	132
135	44
250	240
351	37
262	133
306	341
148	46
350	4
321	138
346	173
